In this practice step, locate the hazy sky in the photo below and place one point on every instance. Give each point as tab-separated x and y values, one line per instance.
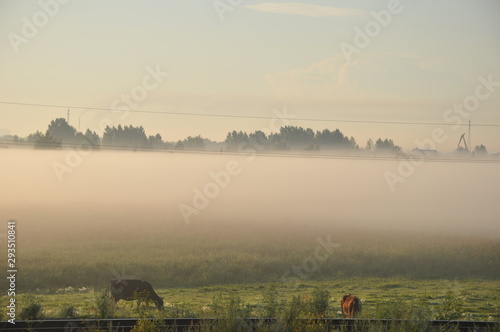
419	59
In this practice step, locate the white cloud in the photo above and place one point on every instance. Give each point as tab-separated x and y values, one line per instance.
303	9
379	76
320	79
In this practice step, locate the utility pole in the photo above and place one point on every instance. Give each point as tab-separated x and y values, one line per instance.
68	116
469	139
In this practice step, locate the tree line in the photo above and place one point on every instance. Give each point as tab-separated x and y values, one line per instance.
59	132
298	138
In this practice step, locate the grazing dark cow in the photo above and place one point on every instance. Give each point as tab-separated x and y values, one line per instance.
351	305
132	289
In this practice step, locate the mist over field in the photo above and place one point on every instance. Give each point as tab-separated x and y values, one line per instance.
154	188
201	226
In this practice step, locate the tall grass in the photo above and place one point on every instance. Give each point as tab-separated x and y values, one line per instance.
213	254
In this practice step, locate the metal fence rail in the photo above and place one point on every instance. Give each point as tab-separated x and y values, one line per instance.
191	324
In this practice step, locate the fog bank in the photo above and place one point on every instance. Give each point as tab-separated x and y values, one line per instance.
189	189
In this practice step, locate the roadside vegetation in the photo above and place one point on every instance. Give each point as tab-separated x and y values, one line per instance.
294	308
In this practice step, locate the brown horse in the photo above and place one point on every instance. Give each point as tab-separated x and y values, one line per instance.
351	305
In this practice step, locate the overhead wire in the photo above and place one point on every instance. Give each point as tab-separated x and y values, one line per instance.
252	152
247	116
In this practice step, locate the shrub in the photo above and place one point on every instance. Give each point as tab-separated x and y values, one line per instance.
104	305
393	310
67	311
293	310
230	314
145	325
319	302
451	307
271	302
32	312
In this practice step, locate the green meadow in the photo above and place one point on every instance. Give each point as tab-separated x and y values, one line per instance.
382	298
256	270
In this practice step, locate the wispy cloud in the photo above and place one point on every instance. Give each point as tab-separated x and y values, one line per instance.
375	76
306	10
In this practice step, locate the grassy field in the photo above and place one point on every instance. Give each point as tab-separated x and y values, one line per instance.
382	298
256	270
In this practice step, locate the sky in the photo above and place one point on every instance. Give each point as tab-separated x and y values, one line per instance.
357	62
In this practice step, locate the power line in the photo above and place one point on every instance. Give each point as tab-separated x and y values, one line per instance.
250	116
256	153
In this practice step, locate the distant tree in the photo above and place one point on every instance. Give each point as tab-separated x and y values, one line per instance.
197	143
91	138
60	129
156	142
108	136
258	137
277	142
11	139
179	145
462	150
480	150
236	140
335	139
34	137
258	140
47	141
296	136
352	143
127	136
191	143
386	145
369	145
